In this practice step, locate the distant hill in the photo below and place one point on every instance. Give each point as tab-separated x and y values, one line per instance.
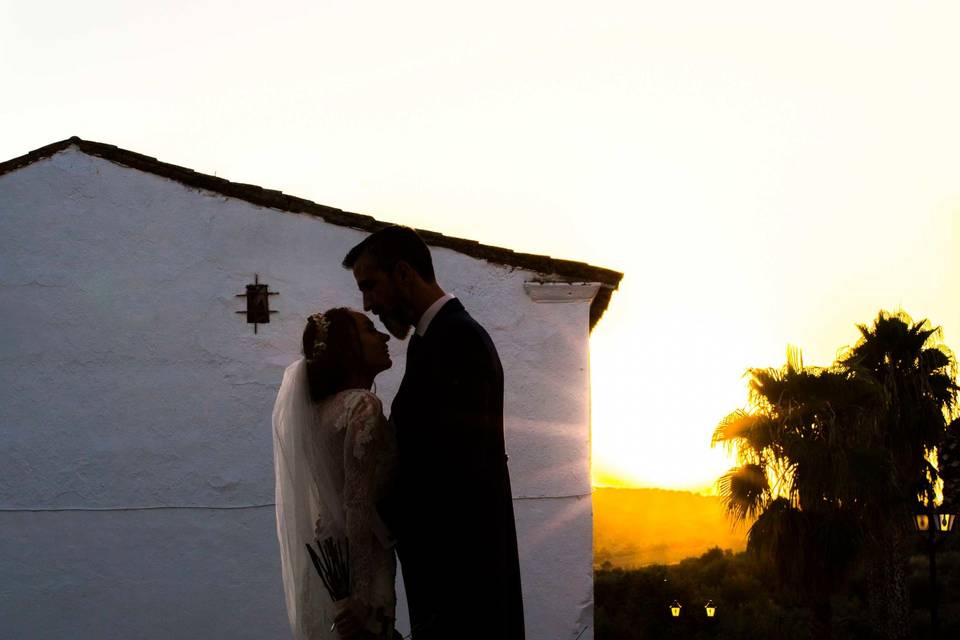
638	527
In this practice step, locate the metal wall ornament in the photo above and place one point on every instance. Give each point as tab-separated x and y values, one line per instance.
258	302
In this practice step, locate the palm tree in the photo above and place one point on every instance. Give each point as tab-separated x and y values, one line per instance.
808	470
832	461
916	372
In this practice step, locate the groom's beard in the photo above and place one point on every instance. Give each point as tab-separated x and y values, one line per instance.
397	327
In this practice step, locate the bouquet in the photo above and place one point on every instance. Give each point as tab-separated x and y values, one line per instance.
332	562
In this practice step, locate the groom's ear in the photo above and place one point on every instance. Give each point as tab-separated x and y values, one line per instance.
405	274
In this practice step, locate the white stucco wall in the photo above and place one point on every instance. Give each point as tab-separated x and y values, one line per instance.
137	484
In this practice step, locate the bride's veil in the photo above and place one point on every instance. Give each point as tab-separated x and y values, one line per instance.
305	491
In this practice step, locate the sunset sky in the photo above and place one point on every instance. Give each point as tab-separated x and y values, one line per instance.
764	173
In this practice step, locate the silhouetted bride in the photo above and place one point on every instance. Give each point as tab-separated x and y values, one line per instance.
334	455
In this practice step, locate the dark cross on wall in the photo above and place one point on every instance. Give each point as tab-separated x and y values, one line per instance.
258	302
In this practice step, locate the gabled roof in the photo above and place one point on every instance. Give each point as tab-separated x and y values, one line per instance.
566	270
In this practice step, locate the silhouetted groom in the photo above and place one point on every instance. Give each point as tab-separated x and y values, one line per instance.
452	513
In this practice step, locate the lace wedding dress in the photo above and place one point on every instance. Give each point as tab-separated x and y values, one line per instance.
334	461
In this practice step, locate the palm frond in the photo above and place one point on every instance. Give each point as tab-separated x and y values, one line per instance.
744	491
750	433
933	359
794	358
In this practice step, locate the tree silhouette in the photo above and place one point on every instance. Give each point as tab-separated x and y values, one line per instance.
948	464
804	449
916	372
832	462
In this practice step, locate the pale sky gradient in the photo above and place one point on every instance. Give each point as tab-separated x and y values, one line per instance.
764	172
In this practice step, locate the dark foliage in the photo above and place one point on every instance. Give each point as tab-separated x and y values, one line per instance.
634	604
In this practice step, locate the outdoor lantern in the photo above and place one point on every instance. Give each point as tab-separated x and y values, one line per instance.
946	521
675	609
711	608
922	521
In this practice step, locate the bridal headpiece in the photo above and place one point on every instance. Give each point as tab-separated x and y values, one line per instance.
322	325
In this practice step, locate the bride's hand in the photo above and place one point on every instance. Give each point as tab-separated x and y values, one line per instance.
349	623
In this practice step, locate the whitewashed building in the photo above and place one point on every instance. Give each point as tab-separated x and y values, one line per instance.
136	483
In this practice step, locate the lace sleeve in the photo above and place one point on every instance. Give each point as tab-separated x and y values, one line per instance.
363	424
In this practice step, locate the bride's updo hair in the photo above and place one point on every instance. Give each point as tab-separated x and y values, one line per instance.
331	346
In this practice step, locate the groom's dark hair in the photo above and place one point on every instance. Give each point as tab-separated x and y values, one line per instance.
393	244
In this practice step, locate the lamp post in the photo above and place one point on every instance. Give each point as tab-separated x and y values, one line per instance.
930	523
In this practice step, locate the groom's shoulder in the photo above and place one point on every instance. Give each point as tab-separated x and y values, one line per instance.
459	321
461	332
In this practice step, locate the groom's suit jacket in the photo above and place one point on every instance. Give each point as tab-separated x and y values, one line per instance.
453	511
